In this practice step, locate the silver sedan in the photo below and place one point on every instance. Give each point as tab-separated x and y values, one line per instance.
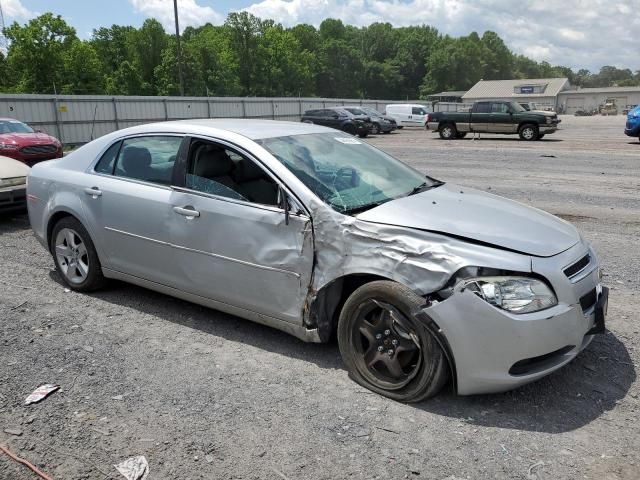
316	233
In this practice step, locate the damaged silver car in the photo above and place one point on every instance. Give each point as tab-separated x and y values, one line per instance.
316	233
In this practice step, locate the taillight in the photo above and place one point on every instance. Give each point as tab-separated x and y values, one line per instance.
426	118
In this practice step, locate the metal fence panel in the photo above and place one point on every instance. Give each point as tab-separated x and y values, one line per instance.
77	119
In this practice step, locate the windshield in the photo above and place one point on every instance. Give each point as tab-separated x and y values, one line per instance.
344	172
355	111
517	107
14	126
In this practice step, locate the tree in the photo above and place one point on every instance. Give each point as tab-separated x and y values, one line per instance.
244	29
82	70
36	53
497	60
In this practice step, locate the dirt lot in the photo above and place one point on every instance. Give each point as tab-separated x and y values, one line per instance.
207	395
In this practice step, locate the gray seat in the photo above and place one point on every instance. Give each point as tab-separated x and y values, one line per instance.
136	163
213	163
254	184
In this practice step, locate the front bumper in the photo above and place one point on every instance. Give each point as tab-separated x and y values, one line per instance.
547	129
494	350
13	199
631	129
32	159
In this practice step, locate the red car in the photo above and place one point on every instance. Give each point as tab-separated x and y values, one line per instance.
18	140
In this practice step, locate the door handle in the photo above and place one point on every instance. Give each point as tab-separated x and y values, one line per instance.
186	212
95	192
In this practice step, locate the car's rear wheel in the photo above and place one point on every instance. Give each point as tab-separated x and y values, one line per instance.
528	132
385	348
448	131
75	256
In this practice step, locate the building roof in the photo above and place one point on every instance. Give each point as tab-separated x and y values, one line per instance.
448	94
550	87
597	90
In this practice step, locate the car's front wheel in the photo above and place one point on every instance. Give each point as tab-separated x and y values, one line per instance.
385	348
528	132
75	256
376	129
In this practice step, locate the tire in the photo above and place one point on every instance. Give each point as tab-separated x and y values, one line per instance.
528	132
376	129
448	131
406	362
350	129
363	135
79	265
460	135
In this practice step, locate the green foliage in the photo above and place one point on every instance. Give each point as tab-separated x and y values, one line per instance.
251	56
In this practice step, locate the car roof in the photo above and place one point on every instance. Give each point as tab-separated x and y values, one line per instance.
253	129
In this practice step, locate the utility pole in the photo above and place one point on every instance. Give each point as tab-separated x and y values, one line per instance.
179	53
4	47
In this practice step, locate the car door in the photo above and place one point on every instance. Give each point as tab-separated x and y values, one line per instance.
234	242
127	204
501	119
480	115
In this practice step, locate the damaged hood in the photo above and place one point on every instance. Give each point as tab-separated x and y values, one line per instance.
478	216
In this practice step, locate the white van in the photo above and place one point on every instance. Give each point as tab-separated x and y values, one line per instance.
408	114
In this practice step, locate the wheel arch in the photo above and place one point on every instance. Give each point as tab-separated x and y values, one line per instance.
528	122
58	215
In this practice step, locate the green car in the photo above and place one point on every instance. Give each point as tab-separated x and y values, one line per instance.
494	116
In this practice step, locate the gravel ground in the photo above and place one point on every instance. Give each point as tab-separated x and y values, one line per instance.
206	395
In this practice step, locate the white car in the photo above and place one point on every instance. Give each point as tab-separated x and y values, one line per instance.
409	114
13	185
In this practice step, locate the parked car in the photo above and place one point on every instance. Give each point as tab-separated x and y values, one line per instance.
18	140
13	185
315	232
408	115
341	119
632	128
494	117
379	122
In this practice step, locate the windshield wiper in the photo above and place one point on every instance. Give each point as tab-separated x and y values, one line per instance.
424	186
362	208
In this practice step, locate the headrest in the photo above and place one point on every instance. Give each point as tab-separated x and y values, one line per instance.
247	171
135	158
213	162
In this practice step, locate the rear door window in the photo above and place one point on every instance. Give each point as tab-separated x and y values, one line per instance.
108	160
150	158
481	108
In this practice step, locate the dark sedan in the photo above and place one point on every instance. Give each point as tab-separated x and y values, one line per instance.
341	119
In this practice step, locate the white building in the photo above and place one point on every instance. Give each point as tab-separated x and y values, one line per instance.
569	101
542	91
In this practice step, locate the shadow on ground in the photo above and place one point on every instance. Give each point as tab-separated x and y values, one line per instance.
566	400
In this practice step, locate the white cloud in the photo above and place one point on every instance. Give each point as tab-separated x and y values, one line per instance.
568	32
15	10
190	13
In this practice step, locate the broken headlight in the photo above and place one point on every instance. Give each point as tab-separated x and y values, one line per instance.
514	294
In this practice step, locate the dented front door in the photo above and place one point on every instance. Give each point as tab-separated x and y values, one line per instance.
243	254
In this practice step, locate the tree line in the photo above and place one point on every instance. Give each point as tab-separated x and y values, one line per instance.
249	56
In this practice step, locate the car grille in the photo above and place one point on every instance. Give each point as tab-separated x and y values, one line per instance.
577	267
38	149
588	300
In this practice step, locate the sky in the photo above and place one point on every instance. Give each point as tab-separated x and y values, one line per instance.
574	33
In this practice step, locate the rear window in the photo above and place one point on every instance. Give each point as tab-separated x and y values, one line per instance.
108	160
